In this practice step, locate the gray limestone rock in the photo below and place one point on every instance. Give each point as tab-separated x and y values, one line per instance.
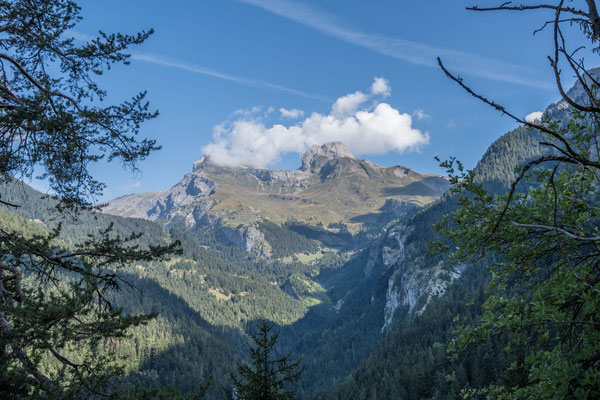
250	239
316	156
397	207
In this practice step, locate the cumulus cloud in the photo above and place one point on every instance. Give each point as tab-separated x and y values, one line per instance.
293	113
534	116
381	86
364	124
348	104
420	114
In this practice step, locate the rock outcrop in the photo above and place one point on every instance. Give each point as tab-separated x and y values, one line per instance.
411	282
397	207
250	239
331	186
316	156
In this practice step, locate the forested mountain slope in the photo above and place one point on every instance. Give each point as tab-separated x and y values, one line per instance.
339	297
180	339
412	361
208	297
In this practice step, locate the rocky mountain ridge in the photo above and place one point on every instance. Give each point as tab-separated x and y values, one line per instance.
331	186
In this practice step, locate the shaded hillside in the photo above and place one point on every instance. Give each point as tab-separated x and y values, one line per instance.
412	362
213	293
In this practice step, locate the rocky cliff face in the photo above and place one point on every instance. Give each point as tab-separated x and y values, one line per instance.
560	110
155	205
397	207
399	255
331	186
410	281
250	239
316	157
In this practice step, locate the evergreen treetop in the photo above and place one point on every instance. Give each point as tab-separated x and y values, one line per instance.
266	377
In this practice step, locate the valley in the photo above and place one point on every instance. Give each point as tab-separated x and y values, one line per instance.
299	248
471	271
356	281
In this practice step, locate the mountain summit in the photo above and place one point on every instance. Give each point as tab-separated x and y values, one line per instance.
317	156
332	187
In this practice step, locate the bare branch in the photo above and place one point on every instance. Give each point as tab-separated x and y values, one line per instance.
507	7
554	64
575	157
591	15
571	20
63	359
556	228
18	276
6	203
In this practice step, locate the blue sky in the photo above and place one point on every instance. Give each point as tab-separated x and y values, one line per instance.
227	67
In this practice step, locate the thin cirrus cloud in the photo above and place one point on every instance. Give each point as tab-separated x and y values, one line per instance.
413	52
202	70
360	120
127	188
198	69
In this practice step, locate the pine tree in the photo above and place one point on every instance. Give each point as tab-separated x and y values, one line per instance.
266	377
55	312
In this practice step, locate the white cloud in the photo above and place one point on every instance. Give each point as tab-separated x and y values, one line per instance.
247	112
381	86
292	113
348	104
534	116
199	69
413	52
376	129
420	114
78	36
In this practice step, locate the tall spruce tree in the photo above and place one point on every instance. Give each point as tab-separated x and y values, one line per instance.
266	377
544	297
54	307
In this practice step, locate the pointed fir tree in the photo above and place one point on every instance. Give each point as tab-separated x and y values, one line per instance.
266	378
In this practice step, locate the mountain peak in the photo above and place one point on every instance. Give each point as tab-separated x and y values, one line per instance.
316	156
200	163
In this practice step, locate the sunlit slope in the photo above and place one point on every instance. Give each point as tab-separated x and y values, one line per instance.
332	186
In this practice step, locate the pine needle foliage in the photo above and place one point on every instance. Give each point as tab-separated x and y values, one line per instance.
55	312
266	377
